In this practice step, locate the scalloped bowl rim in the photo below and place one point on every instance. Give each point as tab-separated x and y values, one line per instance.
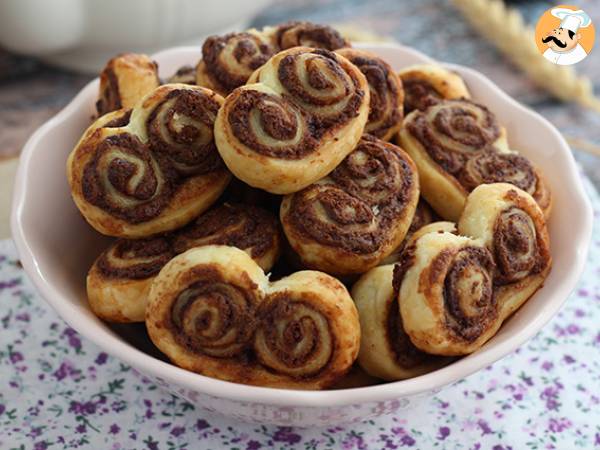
284	397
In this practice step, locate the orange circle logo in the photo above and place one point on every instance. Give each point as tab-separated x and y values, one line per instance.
565	35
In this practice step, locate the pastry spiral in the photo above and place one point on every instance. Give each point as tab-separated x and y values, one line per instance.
304	114
440	140
306	34
446	292
155	173
428	84
125	79
387	94
229	60
385	349
512	226
350	220
185	75
119	281
495	167
455	291
213	311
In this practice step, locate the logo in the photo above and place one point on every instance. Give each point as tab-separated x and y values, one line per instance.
565	35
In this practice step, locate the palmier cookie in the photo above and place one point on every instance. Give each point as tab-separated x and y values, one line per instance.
454	293
305	34
386	351
305	112
428	84
213	311
350	220
119	281
387	96
157	172
125	79
440	140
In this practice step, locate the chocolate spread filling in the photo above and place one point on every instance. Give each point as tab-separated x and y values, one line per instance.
419	94
350	205
385	108
242	226
296	34
469	324
184	145
237	313
493	167
250	51
281	308
150	196
158	250
110	97
457	122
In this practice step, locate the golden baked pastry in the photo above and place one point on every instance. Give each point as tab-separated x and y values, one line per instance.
228	61
385	349
185	75
387	96
350	220
423	215
157	172
305	34
455	291
119	281
427	84
125	79
440	140
511	225
213	311
305	113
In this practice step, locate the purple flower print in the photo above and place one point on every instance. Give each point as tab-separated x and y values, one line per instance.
101	359
253	445
443	433
9	284
484	427
177	431
114	429
16	357
559	425
201	424
285	434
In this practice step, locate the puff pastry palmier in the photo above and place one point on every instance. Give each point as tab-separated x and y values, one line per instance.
213	311
428	84
305	112
350	220
156	172
125	79
119	281
387	95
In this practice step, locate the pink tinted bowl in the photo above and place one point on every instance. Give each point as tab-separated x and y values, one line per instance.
57	247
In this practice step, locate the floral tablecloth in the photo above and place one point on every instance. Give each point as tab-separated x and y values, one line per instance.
60	391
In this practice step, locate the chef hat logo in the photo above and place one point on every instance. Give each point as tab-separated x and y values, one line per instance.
565	34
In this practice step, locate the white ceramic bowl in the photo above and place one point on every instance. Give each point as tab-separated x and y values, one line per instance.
57	247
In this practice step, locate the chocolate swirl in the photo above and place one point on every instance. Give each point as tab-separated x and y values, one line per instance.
470	305
231	59
515	246
419	94
135	259
180	128
245	227
386	91
452	131
322	83
109	98
271	126
125	179
294	337
493	167
185	74
405	352
307	34
360	198
213	317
